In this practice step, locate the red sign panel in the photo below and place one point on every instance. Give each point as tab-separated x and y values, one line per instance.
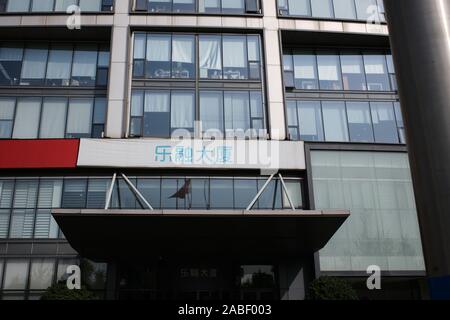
20	154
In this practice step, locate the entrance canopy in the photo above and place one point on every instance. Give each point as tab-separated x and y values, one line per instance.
118	234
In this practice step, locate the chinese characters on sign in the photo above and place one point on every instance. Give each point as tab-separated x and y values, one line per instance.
199	154
198	273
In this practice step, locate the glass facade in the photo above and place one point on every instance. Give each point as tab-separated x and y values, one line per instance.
54	65
363	10
173	56
383	229
338	70
26	204
345	121
28	278
231	7
60	6
52	117
185	79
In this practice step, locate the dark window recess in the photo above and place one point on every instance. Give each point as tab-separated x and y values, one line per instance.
74	195
252	6
107	5
102	76
3	5
141	5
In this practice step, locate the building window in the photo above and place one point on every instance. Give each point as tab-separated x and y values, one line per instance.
376	72
345	121
305	71
384	123
158	113
158	110
15	274
229	57
337	71
41	273
233	7
353	74
25	6
52	117
54	65
377	189
184	193
364	10
329	71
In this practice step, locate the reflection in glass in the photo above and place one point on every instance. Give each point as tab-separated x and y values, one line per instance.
359	122
335	122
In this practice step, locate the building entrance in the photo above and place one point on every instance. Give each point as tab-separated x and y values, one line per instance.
164	280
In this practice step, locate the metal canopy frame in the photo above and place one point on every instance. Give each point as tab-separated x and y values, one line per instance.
139	195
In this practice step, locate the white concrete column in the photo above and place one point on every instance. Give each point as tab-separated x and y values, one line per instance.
275	103
118	75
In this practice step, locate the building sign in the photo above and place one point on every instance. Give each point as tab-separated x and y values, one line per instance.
191	153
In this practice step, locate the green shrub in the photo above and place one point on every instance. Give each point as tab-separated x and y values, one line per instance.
60	291
331	288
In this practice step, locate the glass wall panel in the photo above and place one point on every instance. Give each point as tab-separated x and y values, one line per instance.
18	6
79	118
366	9
322	8
353	72
10	63
182	110
384	123
42	6
376	73
157	114
41	273
53	119
151	190
310	121
344	9
244	192
62	5
383	228
4	223
209	6
305	71
359	122
329	71
90	5
378	123
6	193
34	65
84	68
59	65
160	5
96	196
26	124
183	57
335	122
233	6
235	57
210	57
299	7
22	223
221	195
158	56
74	195
183	6
211	112
7	107
16	274
237	117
